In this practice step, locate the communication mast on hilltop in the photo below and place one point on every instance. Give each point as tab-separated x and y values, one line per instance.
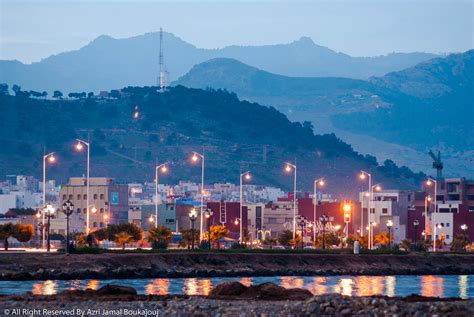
162	76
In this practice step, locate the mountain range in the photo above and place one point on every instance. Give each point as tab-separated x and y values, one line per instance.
107	63
399	115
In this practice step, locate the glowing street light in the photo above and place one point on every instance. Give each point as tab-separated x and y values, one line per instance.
288	168
163	168
430	182
389	228
51	159
247	177
79	147
192	217
320	182
196	156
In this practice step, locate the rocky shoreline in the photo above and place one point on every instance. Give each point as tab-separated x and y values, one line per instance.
228	300
27	266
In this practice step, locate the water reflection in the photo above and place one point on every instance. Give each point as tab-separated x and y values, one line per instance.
463	283
159	286
45	288
317	285
430	285
93	285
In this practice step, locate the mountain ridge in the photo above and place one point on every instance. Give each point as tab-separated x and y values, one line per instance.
106	63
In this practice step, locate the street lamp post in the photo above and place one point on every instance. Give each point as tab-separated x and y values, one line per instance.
430	182
437	226
324	220
208	215
79	146
163	168
427	201
195	158
319	181
288	168
363	175
389	228
416	223
51	158
192	217
49	211
247	177
68	208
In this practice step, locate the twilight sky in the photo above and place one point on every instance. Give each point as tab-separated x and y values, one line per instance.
34	29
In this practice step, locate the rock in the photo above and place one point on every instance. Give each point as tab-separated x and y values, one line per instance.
313	308
116	290
346	311
228	289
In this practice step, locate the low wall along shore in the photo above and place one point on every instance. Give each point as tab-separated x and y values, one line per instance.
29	266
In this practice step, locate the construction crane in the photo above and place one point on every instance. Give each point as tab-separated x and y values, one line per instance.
437	164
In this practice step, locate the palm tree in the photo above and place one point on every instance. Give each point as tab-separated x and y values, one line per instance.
217	233
159	237
122	238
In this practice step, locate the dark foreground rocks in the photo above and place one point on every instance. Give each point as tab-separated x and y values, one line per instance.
89	303
265	291
30	266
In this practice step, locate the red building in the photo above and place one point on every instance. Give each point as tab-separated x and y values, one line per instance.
226	213
334	211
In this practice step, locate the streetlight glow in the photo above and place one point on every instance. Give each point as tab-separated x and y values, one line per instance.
288	168
94	210
52	159
429	182
362	176
247	176
151	219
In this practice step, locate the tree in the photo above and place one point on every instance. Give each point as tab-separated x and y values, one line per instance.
245	235
460	242
114	93
285	237
382	239
4	90
23	232
406	244
90	95
188	237
269	241
217	233
57	94
101	234
130	228
16	89
44	94
159	237
6	231
331	238
122	238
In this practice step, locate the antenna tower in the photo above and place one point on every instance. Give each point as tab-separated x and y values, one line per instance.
161	79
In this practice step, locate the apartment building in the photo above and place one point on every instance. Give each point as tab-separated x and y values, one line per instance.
108	202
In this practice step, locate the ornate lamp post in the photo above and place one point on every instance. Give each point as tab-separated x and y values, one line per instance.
68	208
49	212
192	217
389	228
324	220
416	223
301	221
208	215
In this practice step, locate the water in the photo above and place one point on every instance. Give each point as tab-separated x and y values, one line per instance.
397	285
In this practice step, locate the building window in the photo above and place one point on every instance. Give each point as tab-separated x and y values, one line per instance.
101	210
78	197
64	197
85	210
70	197
372	210
172	208
384	210
78	210
101	196
95	196
289	220
169	220
101	224
95	224
85	196
272	220
447	224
